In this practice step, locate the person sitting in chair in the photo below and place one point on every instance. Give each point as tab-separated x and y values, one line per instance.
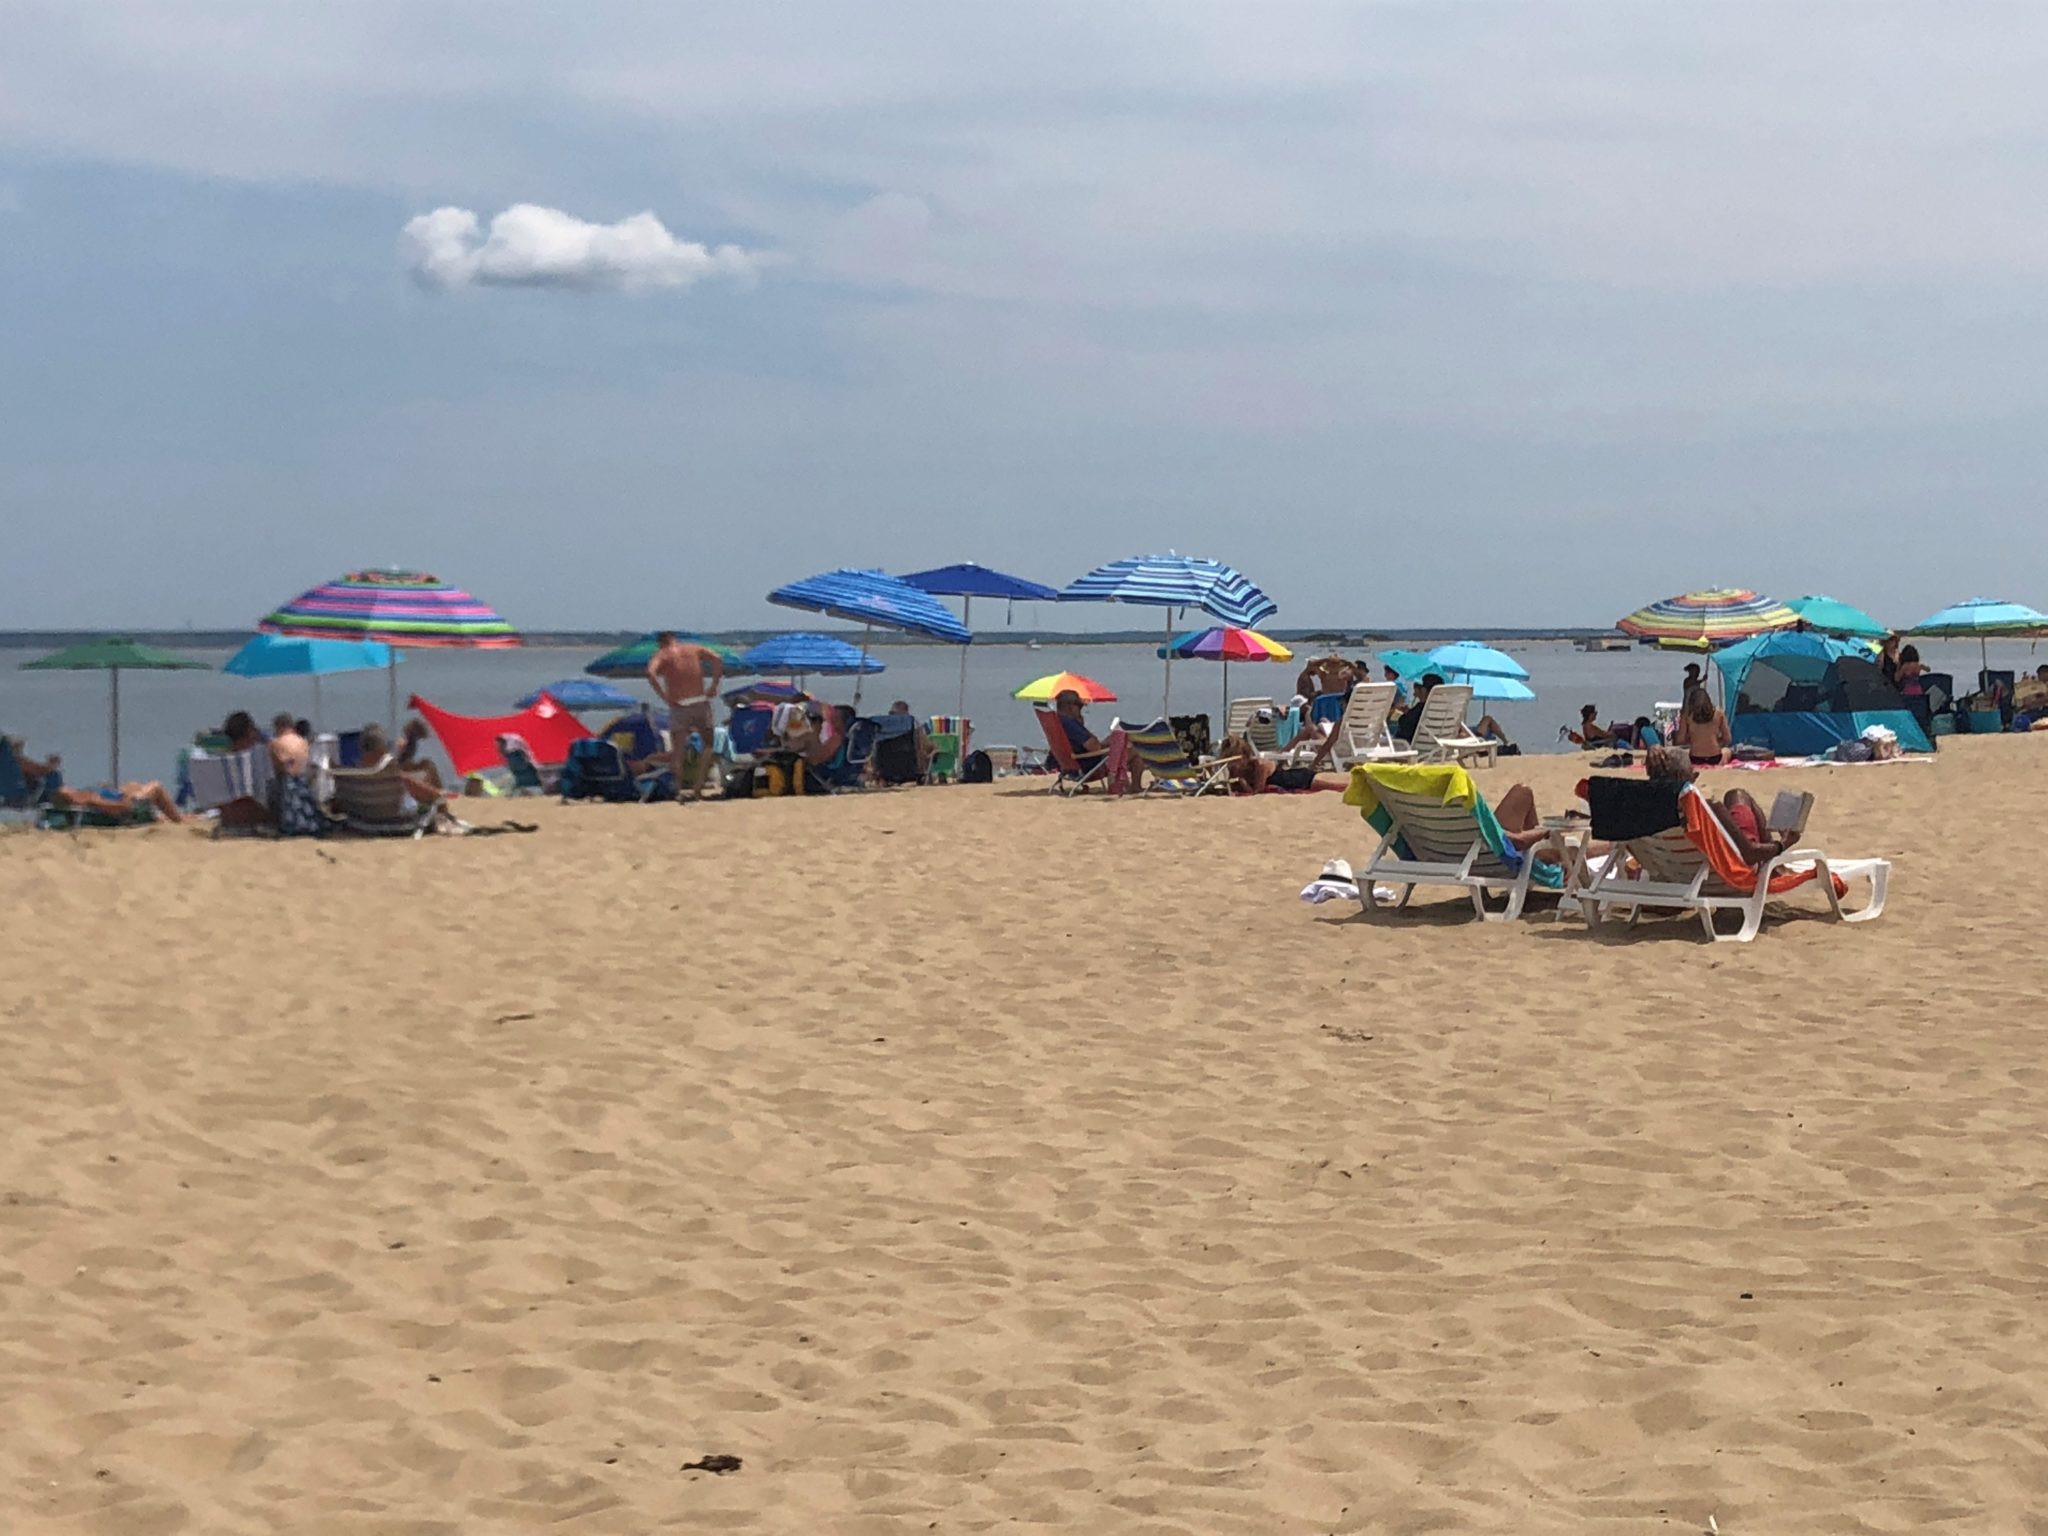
1747	825
925	750
377	753
1591	733
1404	728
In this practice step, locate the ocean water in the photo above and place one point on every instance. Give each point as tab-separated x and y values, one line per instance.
67	711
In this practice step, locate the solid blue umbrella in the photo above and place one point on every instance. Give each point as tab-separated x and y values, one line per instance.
577	694
1489	673
870	598
802	653
1173	581
298	656
969	581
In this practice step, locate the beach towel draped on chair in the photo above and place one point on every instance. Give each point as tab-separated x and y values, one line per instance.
1437	829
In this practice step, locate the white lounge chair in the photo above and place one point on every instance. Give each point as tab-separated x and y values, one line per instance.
1446	847
1442	736
1672	872
1362	734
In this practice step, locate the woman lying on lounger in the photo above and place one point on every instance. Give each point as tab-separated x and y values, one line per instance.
1747	826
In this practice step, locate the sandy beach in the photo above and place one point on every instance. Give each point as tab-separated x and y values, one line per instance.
966	1160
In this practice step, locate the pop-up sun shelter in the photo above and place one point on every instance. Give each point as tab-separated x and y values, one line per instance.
1798	694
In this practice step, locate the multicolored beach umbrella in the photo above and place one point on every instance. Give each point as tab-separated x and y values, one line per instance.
1226	644
1173	581
1044	690
1717	617
400	608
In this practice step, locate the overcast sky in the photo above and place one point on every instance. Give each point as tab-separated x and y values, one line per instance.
622	313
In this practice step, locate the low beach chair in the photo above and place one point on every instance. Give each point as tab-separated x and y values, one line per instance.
1694	866
15	794
1362	734
222	780
528	777
1158	751
372	802
1436	829
1441	735
1069	777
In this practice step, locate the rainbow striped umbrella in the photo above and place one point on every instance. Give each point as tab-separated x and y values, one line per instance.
1226	644
1718	617
400	608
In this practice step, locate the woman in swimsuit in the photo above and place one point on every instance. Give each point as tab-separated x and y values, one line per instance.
1702	730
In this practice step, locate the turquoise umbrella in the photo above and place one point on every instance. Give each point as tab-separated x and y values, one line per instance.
1982	617
1832	616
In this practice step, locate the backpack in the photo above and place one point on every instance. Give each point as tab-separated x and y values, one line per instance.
978	769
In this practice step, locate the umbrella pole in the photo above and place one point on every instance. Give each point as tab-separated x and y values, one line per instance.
391	691
319	715
1166	693
966	614
114	721
861	676
1226	688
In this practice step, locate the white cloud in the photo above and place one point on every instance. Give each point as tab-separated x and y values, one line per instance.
533	247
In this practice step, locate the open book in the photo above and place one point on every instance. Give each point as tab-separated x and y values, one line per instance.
1790	810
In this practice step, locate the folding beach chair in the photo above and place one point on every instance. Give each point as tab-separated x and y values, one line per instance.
1069	777
15	794
1694	866
528	777
1362	732
373	802
1436	829
1158	751
1441	734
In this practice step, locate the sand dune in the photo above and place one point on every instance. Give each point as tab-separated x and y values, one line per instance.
963	1160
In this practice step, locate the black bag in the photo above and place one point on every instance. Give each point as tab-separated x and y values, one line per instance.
895	760
1298	778
978	769
739	782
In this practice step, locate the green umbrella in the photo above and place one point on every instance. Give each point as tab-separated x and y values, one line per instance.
113	657
630	660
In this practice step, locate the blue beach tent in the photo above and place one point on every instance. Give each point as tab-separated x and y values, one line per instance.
1798	694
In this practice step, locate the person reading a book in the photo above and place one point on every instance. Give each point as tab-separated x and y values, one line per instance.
1757	837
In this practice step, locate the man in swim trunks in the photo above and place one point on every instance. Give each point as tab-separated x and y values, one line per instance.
676	672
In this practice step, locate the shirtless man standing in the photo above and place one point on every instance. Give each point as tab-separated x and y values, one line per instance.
676	671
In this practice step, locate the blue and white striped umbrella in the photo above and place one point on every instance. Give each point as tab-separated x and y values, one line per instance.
801	653
871	598
1173	581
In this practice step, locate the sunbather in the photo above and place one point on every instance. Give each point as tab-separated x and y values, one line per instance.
42	776
1523	827
412	754
1747	825
126	803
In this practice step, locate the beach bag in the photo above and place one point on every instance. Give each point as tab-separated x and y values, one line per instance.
739	782
1854	752
978	769
1292	779
784	776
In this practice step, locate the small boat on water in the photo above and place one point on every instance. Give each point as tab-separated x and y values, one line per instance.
1605	643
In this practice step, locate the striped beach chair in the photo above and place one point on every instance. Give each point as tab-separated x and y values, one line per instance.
1157	750
1436	829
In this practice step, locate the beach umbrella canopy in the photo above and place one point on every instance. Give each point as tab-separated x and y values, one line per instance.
1720	616
1472	659
967	582
871	598
113	657
1977	616
577	694
1832	616
408	608
1173	581
971	581
630	659
1981	618
1489	673
803	653
293	656
1408	665
286	656
1044	690
1226	644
